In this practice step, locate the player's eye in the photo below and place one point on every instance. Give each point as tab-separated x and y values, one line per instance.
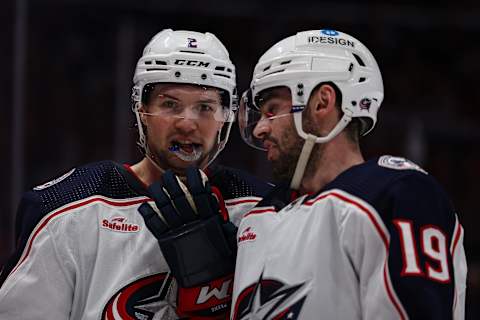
169	104
206	108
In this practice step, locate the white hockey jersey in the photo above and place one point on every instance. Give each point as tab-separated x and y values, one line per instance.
84	252
381	241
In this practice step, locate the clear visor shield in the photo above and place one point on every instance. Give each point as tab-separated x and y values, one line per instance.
248	117
203	110
254	117
207	108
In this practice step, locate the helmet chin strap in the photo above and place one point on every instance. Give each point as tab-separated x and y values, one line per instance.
220	144
302	161
141	134
310	141
151	157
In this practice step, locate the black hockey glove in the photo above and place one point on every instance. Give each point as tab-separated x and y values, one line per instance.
198	244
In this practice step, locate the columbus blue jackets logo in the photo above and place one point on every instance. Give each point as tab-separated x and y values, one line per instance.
399	163
54	181
139	300
365	104
270	299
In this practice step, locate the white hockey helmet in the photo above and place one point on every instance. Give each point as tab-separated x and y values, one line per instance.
303	61
187	57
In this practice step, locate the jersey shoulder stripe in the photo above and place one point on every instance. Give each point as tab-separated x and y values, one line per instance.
69	208
374	218
106	180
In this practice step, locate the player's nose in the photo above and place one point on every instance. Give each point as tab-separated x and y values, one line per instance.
186	125
262	128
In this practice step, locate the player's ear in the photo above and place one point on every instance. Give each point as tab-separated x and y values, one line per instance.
142	110
323	98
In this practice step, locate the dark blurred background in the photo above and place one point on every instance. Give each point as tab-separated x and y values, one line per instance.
66	68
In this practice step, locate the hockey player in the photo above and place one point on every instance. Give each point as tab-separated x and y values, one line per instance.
375	239
85	252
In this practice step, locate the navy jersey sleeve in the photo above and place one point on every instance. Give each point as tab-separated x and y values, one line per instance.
28	215
426	257
28	285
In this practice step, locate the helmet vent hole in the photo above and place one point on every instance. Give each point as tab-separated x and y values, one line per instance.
266	68
276	71
203	76
188	51
161	62
157	69
220	68
229	70
362	79
178	74
148	62
285	62
359	60
221	75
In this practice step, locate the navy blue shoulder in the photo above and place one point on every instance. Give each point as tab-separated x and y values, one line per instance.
105	178
391	182
412	206
235	183
370	180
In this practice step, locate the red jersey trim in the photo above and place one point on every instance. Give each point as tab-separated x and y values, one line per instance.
42	224
260	211
130	170
234	202
383	236
457	235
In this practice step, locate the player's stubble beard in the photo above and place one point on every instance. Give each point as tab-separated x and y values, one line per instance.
290	146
